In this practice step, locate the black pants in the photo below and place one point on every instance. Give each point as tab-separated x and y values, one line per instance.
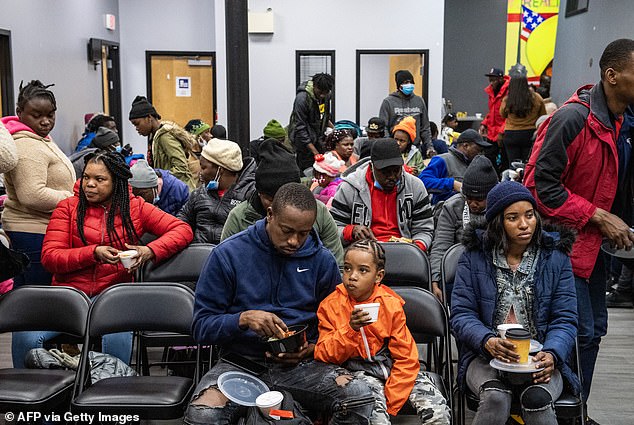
518	144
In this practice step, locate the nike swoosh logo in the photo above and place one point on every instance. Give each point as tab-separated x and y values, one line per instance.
301	270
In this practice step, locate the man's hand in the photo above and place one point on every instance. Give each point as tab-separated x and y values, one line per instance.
262	323
431	152
547	361
292	359
483	130
144	254
359	319
106	254
435	288
502	349
362	232
613	228
457	186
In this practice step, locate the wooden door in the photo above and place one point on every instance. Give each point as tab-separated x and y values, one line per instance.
411	62
182	87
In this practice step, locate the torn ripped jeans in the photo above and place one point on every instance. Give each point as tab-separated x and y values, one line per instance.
496	395
311	383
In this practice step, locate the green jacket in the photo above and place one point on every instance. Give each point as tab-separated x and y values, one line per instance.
168	153
246	214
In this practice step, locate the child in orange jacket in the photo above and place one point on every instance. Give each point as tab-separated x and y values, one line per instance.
382	352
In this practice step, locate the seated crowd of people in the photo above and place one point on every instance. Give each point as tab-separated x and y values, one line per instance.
307	213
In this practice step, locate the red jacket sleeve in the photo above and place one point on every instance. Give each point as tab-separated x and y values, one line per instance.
57	254
406	365
173	234
337	340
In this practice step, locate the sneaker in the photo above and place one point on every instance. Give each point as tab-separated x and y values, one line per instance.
618	300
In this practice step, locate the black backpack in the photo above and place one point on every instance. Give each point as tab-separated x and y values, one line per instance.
255	417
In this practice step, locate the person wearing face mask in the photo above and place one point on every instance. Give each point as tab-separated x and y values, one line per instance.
402	103
226	181
158	187
104	139
379	201
201	132
310	118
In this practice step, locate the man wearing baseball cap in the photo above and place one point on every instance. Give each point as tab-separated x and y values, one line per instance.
493	124
443	176
375	130
379	201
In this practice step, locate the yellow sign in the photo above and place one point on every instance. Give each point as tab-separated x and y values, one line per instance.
531	32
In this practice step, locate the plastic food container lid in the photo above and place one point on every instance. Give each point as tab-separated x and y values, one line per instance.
241	387
269	399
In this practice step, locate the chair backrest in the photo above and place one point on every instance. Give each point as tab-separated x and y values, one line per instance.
44	308
159	306
449	263
182	267
425	314
406	265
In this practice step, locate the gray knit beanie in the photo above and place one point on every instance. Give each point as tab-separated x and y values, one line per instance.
143	176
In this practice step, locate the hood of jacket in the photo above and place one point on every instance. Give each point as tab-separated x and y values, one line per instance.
593	97
14	125
387	292
307	86
554	236
503	90
260	237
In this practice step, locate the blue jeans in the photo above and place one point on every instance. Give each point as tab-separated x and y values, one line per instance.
593	321
311	383
117	344
31	245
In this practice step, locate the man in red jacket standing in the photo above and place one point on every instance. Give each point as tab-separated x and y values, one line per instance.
493	124
573	174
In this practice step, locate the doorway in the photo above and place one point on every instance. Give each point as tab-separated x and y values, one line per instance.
111	82
182	85
7	101
375	77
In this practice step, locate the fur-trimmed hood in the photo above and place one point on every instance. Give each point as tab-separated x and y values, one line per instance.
554	236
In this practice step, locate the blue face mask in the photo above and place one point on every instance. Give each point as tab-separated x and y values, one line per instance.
118	149
407	89
156	199
213	184
378	185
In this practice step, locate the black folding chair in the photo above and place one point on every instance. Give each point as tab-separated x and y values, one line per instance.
406	265
40	308
185	268
136	307
428	322
448	266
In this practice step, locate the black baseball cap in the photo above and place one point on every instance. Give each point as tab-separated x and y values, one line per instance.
376	125
470	135
385	153
495	72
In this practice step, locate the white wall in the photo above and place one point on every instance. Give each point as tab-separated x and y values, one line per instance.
344	26
48	42
374	72
167	25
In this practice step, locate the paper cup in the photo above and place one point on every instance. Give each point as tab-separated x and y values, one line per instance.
522	340
127	258
478	116
372	309
505	327
271	400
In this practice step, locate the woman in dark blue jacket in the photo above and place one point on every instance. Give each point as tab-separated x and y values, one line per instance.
514	272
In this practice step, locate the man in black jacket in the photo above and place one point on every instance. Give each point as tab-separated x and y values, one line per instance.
309	119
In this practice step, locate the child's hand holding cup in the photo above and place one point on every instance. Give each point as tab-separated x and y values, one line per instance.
363	315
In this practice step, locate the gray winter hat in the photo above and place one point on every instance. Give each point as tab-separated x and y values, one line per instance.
143	176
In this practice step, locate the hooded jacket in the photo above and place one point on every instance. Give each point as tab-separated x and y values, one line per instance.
251	210
73	263
245	272
174	193
308	124
494	121
573	170
8	151
398	105
338	342
42	177
352	204
442	171
170	151
474	301
206	212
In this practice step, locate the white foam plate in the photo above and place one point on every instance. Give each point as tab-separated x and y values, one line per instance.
536	346
515	367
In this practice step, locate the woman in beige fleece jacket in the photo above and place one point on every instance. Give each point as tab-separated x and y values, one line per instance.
42	177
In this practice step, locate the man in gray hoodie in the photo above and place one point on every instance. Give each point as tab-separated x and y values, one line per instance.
402	103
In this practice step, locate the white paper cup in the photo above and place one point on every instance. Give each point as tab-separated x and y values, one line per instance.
372	309
271	400
127	258
478	115
505	327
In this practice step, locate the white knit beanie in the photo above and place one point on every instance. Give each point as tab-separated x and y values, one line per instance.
224	153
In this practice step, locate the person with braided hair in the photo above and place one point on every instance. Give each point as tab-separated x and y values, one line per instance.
89	230
341	142
42	178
